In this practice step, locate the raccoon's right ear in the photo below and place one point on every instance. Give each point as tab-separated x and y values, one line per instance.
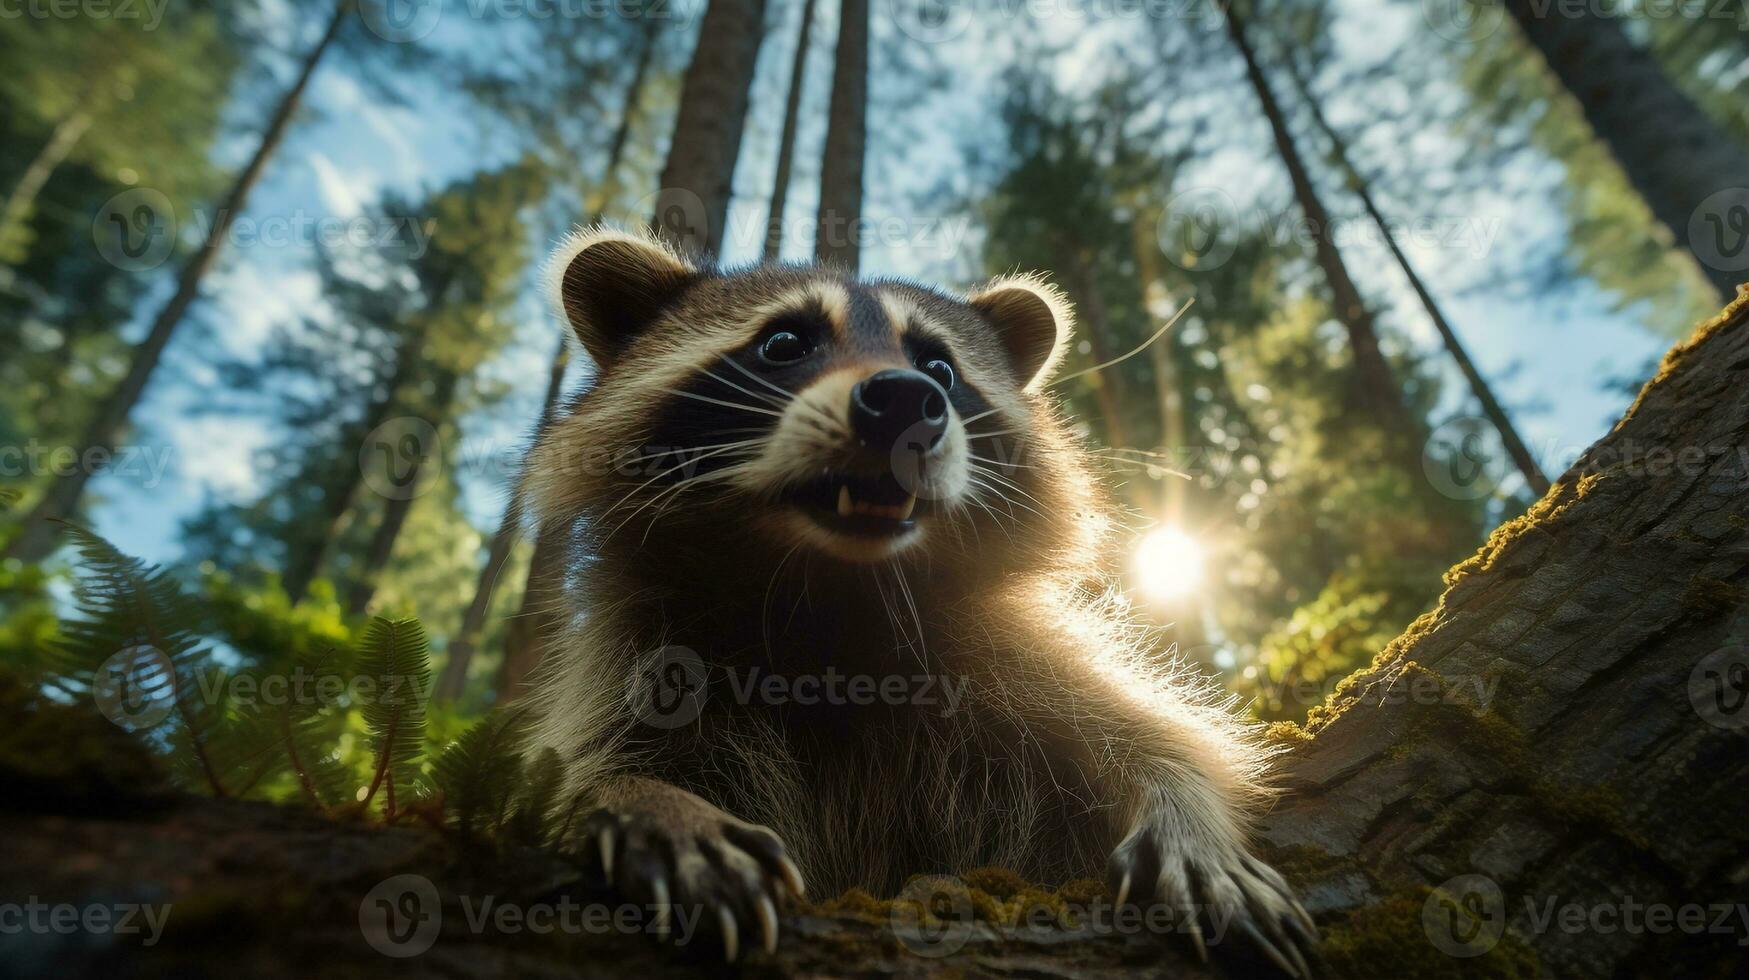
1033	319
610	284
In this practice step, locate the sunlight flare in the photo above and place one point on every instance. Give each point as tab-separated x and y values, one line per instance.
1167	564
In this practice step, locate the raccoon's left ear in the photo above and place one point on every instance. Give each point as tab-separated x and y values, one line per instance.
610	284
1034	320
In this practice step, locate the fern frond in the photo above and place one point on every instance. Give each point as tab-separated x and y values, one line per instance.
478	773
394	656
10	496
134	643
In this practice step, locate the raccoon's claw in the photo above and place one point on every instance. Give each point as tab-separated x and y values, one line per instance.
1217	892
720	873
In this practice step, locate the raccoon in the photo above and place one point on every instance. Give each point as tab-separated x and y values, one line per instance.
782	475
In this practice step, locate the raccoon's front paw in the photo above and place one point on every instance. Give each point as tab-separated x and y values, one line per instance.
1214	887
676	851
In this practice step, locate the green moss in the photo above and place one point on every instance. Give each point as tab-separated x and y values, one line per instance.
1711	596
67	755
1387	938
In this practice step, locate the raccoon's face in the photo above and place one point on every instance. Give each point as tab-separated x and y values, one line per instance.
857	420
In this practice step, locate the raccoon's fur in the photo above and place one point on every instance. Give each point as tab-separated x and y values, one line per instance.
694	483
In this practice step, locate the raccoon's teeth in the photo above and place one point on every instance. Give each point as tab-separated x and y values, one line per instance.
844	502
907	507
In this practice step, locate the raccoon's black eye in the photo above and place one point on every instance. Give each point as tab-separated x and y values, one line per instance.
783	347
941	371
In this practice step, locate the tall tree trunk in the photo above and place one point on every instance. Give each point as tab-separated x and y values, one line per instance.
67	133
1163	355
1568	727
1491	407
786	142
37	538
525	644
1377	393
304	564
454	679
398	506
838	230
539	618
1673	153
698	179
1096	328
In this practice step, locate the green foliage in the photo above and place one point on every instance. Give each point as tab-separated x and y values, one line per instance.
393	658
314	718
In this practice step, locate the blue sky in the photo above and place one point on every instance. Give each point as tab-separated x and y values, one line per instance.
1548	355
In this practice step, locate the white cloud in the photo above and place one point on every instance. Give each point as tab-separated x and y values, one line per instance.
343	196
220	454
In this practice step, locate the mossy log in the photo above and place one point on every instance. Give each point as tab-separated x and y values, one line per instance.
1565	730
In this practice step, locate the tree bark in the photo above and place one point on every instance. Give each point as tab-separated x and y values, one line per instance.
838	234
1565	730
692	208
786	141
62	139
461	646
1376	393
1491	407
37	537
454	679
1672	152
1567	724
398	506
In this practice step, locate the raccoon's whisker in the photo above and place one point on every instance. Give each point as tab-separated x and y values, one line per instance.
998	462
990	435
670	494
688	449
726	404
682	465
1006	499
916	617
765	605
762	396
1010	484
984	414
767	382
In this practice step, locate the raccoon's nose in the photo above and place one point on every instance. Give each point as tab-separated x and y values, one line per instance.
898	402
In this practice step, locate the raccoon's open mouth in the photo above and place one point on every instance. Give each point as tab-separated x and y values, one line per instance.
858	505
